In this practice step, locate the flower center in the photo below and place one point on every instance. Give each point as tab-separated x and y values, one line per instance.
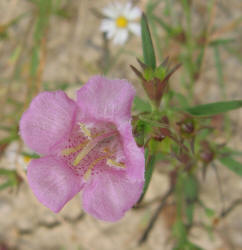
26	159
121	22
90	145
97	149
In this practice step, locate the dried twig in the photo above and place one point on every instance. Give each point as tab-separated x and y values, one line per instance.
147	203
155	216
219	184
232	206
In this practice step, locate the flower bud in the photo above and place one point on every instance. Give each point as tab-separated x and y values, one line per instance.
206	153
155	81
186	127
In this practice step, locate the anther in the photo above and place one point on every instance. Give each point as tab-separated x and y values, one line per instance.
85	130
113	163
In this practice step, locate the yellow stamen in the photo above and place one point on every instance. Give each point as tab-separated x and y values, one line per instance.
85	130
68	151
92	165
113	163
84	152
121	22
90	145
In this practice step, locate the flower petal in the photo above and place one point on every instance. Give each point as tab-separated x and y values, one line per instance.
109	27
118	7
121	36
110	11
53	183
135	28
109	195
126	9
47	121
135	161
134	13
106	100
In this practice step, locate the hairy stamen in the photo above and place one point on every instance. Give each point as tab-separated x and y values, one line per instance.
85	130
91	145
114	163
92	165
68	151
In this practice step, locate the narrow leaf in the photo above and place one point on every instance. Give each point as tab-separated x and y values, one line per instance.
200	58
5	185
163	24
214	108
148	49
222	41
152	6
227	151
7	172
232	164
219	68
149	167
31	155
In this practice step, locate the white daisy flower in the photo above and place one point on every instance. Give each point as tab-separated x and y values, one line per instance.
12	157
120	19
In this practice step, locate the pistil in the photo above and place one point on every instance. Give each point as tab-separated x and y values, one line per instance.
91	145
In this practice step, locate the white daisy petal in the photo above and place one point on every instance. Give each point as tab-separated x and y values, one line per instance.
118	6
121	36
109	11
110	34
134	13
135	28
127	9
109	27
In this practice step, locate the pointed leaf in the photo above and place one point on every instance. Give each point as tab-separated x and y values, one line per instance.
219	68
149	167
214	108
148	49
232	164
5	185
163	24
222	41
227	151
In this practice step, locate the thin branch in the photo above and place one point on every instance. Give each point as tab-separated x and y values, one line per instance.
228	210
155	216
192	144
148	203
219	184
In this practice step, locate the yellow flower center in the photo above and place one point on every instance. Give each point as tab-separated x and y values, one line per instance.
26	159
121	22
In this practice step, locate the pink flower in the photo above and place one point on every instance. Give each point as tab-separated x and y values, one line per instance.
86	145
